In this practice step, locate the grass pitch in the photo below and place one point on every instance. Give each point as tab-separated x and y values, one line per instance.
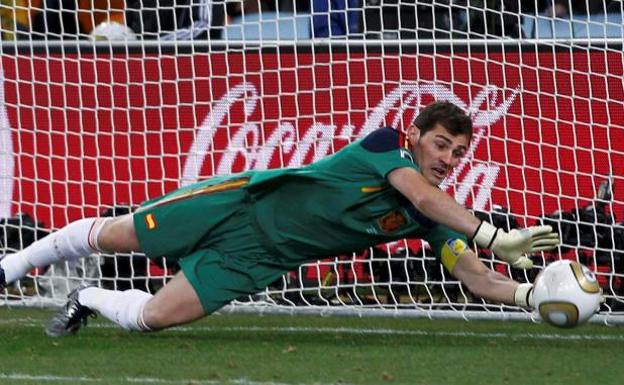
288	350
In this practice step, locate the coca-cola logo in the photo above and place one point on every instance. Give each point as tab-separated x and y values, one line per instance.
259	148
182	120
399	105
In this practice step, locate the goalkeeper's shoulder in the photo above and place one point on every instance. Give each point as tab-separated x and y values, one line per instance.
382	140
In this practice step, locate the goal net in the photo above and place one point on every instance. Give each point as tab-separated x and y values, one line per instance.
92	127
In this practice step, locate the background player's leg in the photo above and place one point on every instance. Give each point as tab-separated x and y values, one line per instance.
76	240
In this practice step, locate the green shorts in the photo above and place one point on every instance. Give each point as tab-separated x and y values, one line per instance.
208	229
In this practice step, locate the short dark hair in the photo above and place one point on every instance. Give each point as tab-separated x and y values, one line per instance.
453	118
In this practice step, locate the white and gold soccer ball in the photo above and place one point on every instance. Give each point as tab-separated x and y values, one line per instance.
566	294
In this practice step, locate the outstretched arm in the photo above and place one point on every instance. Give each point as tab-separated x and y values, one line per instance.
489	284
441	208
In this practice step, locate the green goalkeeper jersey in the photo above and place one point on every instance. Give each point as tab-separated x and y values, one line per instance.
341	203
234	235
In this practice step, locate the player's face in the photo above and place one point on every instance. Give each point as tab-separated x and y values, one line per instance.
437	152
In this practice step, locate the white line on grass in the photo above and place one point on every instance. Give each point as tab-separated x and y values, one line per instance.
418	332
133	380
29	322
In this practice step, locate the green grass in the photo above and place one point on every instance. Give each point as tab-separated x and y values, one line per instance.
270	350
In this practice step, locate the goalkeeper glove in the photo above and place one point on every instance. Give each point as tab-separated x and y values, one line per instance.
524	295
513	246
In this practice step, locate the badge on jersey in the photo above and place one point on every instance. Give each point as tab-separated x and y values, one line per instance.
392	221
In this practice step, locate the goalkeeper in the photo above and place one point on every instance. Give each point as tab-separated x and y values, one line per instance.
235	235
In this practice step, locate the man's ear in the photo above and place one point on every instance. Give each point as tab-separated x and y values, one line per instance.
413	134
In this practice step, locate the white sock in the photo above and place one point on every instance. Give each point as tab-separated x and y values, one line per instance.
14	267
74	241
125	308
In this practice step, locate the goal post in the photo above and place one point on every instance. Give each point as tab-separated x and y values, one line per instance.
89	129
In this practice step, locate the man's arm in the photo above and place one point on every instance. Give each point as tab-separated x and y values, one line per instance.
489	284
441	208
432	202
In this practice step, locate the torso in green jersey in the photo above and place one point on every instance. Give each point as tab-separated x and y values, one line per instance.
341	203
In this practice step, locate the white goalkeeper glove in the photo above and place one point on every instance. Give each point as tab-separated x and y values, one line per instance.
513	246
523	296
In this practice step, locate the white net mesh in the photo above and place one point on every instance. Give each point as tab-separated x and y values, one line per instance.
191	91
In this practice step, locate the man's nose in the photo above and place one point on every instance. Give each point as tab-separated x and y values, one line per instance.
447	158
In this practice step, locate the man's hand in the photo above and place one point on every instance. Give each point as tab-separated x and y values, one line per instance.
513	246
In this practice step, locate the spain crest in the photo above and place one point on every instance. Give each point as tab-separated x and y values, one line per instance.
392	221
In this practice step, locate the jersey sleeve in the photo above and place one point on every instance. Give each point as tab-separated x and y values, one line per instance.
382	152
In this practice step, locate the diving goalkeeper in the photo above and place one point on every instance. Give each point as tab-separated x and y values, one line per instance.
235	235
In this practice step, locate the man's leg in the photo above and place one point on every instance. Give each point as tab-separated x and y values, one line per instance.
175	304
76	240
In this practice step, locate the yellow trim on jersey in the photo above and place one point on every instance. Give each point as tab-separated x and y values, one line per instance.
451	251
210	189
371	189
150	221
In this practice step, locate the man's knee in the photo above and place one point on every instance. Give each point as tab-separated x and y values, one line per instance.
175	304
158	317
155	318
118	235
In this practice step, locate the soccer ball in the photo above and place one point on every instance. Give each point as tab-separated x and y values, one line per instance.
566	294
112	31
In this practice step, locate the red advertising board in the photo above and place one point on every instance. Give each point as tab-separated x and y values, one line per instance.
91	131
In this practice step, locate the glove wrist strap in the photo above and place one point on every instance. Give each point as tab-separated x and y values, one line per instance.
485	235
524	295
